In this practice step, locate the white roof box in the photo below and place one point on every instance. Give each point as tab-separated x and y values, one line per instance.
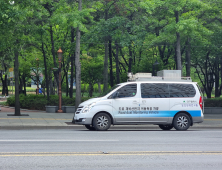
163	75
170	74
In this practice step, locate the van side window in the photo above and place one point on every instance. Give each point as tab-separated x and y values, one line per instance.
182	90
127	91
154	90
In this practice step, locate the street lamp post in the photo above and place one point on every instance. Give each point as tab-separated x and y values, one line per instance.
37	89
60	90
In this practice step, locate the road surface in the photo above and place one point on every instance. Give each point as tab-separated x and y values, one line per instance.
142	148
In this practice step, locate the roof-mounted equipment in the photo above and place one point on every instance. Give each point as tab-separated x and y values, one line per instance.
163	75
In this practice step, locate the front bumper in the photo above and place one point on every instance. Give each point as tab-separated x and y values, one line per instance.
82	120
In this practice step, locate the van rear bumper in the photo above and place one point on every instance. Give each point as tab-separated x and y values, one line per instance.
198	119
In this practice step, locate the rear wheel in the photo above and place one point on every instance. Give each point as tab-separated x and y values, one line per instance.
101	122
166	127
181	121
90	127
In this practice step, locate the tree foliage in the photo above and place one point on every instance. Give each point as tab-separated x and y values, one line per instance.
116	37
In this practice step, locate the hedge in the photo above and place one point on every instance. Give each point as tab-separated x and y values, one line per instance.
38	102
213	102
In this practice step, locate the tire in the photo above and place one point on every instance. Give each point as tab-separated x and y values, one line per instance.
101	122
166	127
181	121
90	127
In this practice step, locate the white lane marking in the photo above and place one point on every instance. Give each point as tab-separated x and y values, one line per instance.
55	140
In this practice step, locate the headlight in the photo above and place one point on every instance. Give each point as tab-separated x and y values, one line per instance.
88	108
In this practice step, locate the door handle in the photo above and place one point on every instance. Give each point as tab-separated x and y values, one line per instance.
135	102
143	101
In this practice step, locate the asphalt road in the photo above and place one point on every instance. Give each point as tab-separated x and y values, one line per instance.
113	149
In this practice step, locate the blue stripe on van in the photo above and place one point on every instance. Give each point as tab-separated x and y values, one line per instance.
164	113
193	113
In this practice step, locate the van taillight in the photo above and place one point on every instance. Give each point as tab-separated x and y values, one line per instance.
201	102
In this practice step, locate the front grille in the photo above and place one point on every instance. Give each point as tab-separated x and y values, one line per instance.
79	109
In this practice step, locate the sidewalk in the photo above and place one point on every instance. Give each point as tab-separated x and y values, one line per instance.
36	119
43	120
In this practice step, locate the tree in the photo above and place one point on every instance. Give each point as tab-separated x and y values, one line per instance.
92	68
77	63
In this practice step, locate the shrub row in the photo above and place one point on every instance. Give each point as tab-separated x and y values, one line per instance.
38	102
213	102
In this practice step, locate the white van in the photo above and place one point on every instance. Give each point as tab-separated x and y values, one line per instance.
144	100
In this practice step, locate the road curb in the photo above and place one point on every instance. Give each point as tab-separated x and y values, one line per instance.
81	127
24	109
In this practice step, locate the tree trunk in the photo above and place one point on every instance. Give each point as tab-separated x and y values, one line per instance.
55	87
208	94
188	52
217	78
77	64
51	91
72	64
67	84
6	81
46	73
84	89
24	83
175	58
99	87
130	59
54	56
90	89
117	63
111	63
17	104
20	84
220	75
4	86
178	51
105	71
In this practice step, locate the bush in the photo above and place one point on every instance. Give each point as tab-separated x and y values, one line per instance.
33	102
38	102
213	102
11	101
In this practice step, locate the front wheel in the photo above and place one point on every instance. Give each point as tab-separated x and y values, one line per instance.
181	121
90	127
166	127
101	122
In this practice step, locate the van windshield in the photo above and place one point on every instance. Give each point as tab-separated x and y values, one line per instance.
108	91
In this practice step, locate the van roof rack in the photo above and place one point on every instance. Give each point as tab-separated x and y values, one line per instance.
163	75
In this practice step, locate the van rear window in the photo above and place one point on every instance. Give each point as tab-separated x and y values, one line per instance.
182	90
167	90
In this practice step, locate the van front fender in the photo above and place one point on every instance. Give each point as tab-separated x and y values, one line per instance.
102	108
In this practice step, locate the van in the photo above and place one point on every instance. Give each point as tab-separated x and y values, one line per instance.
167	100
